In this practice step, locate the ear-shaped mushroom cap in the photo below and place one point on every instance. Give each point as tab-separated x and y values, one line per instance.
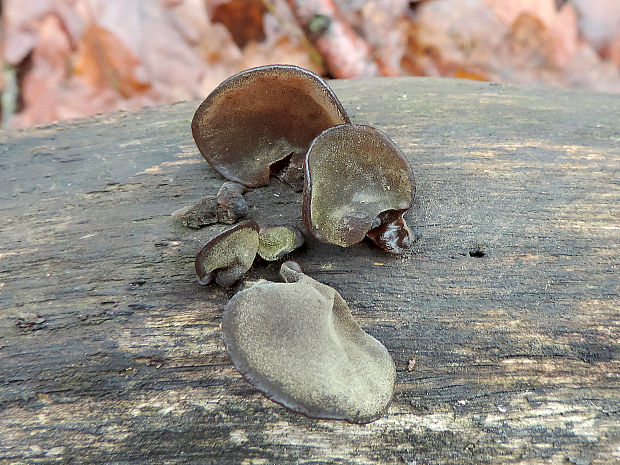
298	343
229	255
276	241
358	183
259	117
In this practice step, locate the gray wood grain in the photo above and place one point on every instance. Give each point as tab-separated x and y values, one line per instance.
502	319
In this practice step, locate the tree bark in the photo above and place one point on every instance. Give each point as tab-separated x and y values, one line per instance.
502	319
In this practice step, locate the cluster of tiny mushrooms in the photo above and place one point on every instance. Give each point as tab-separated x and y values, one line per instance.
297	341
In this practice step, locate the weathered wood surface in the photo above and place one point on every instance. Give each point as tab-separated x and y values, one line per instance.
110	352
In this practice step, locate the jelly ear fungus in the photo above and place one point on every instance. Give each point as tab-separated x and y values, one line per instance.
275	242
258	120
357	183
298	343
231	204
228	256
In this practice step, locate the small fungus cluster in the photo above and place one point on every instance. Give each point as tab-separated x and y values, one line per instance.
228	256
228	207
297	341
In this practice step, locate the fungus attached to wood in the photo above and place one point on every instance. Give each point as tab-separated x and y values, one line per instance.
288	268
203	213
229	255
231	204
298	343
228	207
255	120
358	183
277	241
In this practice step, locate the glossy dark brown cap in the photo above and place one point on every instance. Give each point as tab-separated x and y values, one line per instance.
261	116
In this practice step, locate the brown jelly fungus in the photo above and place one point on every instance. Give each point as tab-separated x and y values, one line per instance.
289	267
277	241
298	343
229	255
256	120
231	204
358	183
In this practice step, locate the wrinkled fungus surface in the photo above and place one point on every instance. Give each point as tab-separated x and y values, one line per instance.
277	241
229	255
298	343
248	126
358	182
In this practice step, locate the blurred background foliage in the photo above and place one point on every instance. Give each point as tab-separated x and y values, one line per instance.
70	58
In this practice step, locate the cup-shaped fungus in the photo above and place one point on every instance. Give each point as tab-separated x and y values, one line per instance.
229	255
253	121
298	343
358	183
277	241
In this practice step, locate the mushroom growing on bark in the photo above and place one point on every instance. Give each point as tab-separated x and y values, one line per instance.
276	241
229	255
254	121
228	207
358	183
231	204
203	213
298	343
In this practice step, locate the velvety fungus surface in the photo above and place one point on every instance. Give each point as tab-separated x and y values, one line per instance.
358	182
229	255
298	343
277	241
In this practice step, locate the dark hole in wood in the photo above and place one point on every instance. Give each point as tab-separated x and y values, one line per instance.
477	252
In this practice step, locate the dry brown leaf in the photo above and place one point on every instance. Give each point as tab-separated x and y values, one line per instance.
283	50
518	41
529	42
243	18
599	22
346	54
508	11
447	37
54	47
104	61
79	57
614	51
22	20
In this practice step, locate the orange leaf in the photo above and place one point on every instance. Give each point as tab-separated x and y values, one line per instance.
473	76
243	18
103	61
